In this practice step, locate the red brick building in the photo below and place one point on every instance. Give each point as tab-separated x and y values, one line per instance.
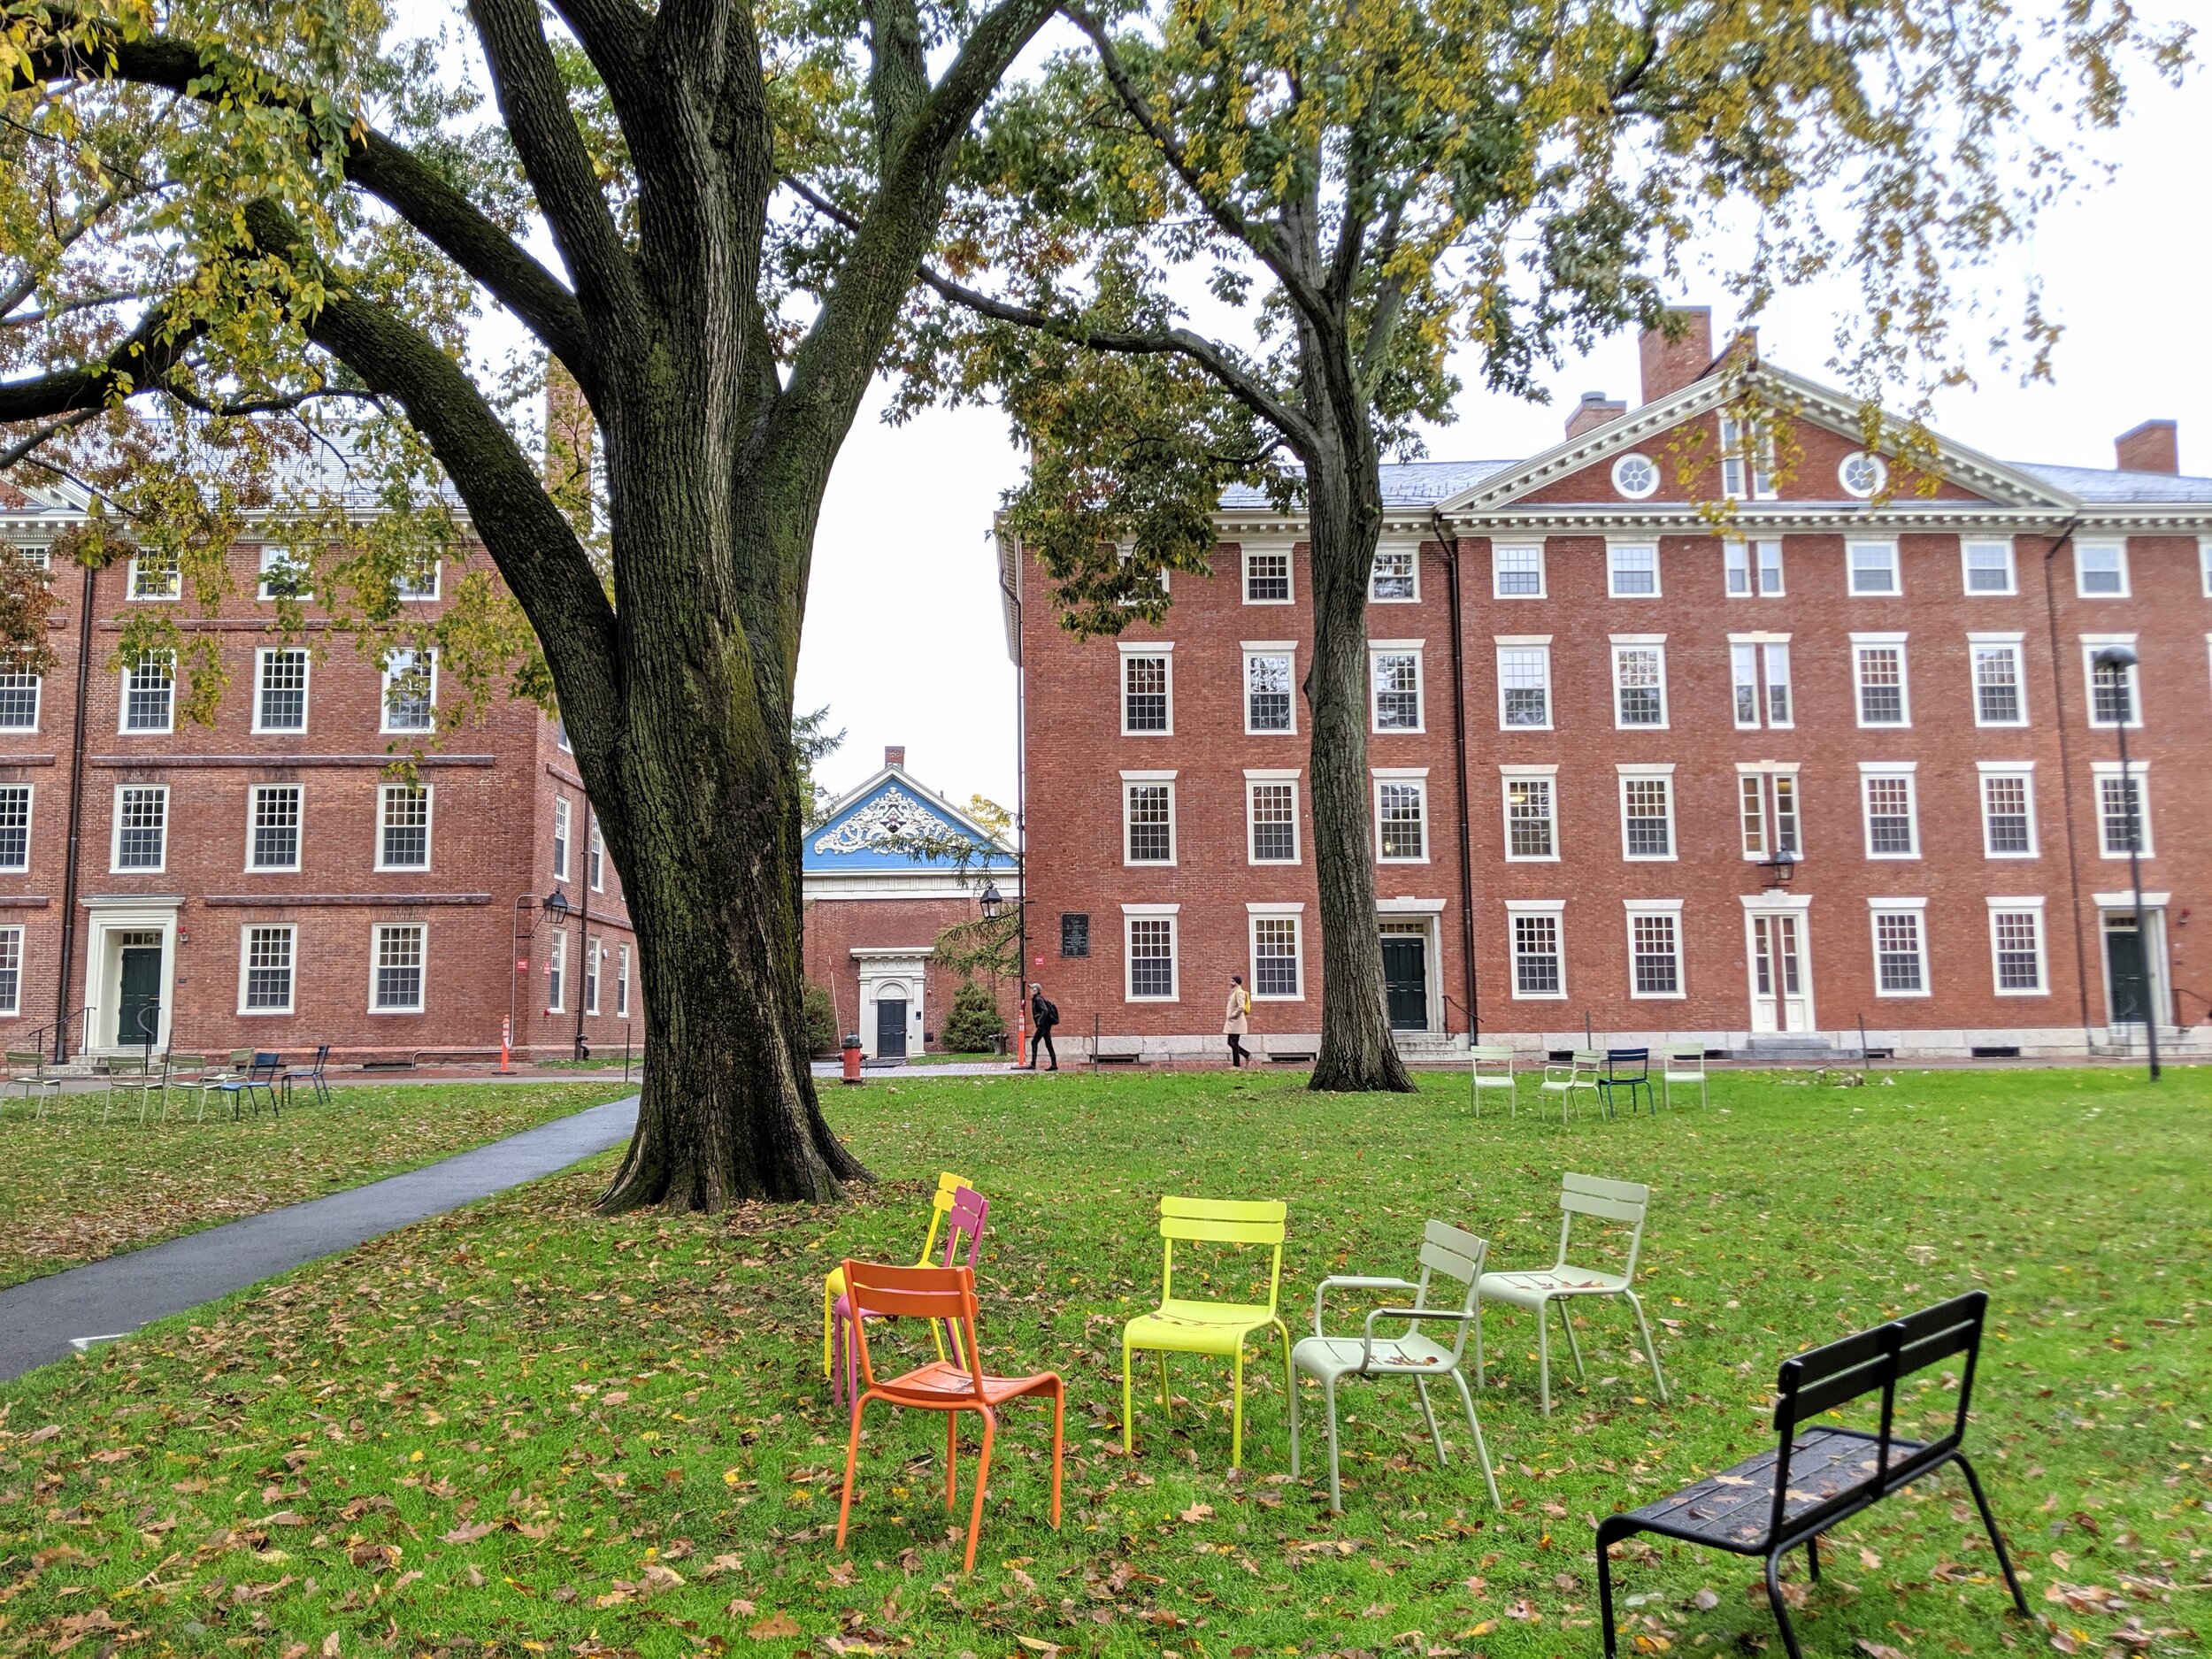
1841	755
267	882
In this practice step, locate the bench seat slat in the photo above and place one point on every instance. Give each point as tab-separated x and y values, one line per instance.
1733	1507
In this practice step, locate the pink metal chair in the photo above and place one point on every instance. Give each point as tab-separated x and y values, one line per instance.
963	1220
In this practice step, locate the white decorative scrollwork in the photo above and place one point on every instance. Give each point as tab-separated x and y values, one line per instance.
890	815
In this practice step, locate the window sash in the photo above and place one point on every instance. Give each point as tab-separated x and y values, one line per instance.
622	982
2016	941
1647	817
1394	575
142	827
1516	570
1900	954
1395	678
403	827
10	970
1538	969
1639	685
1144	695
411	691
1997	686
1989	567
1874	567
398	983
1266	578
1267	692
150	692
2115	795
1401	821
2007	815
1531	831
1148	822
556	971
1892	826
19	694
1275	956
2115	694
1631	570
1654	954
283	577
15	827
280	698
157	576
2101	569
1524	687
276	827
1151	955
560	838
1272	821
267	957
1881	676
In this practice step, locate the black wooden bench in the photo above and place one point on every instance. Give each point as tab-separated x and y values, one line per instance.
1818	1476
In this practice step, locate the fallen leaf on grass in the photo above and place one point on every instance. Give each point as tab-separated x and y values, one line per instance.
1036	1644
1705	1601
330	1646
1196	1513
1878	1649
468	1533
1869	1559
777	1623
1524	1610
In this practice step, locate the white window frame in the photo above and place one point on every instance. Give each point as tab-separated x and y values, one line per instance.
1543	573
1295	914
429	791
595	858
246	930
1288	649
272	558
384	699
1162	648
1748	555
1967	544
261	657
1548	776
1655	643
1871	769
1881	475
2204	562
377	930
1861	643
556	971
1762	647
38	692
1621	544
1629	771
123	709
1131	914
1917	908
1896	589
1269	550
564	835
2091	644
2023	770
1557	909
2118	545
1132	781
1398	648
131	586
115	832
1643	909
12	979
1540	643
1626	491
622	980
1418	777
1256	778
401	592
30	826
1770	826
2140	772
1412	550
2008	906
1756	458
1976	644
594	953
254	791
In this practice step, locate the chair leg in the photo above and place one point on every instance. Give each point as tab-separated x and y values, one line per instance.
1421	1386
1328	1404
1479	1383
982	1482
1605	1593
1059	1418
1543	1358
1989	1523
1781	1608
1574	1343
1650	1353
952	1460
826	1316
1812	1558
1236	1411
852	1460
1128	1413
1293	1427
1166	1404
1482	1452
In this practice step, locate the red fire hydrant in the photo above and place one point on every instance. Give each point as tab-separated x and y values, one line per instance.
852	1058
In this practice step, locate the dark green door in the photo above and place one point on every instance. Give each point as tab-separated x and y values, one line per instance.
138	1009
2123	967
1405	981
891	1028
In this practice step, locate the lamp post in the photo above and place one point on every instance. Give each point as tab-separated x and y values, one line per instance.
2119	660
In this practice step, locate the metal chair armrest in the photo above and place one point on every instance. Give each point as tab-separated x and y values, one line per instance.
1367	1338
1352	1281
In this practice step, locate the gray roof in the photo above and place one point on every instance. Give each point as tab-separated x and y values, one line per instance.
2104	487
1404	483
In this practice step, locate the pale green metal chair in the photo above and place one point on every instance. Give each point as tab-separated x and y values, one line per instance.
1566	1079
1685	1066
1447	1251
1490	1065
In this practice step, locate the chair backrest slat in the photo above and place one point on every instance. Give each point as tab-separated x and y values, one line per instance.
1490	1051
946	1294
1222	1221
1453	1250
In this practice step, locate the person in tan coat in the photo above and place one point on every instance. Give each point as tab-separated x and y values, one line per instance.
1237	1020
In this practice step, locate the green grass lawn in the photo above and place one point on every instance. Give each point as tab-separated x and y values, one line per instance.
73	1189
526	1429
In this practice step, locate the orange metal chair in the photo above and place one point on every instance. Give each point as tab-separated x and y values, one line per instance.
946	1294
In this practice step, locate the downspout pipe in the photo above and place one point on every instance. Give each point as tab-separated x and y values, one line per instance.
1449	541
2066	776
76	822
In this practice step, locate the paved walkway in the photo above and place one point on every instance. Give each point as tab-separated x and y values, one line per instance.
45	1319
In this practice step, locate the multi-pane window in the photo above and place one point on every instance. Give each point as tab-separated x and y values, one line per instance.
1075	934
1275	956
1760	669
2015	938
275	829
419	581
1646	815
2204	562
1151	958
1654	953
1402	812
265	971
1537	969
1144	693
2115	694
1998	678
2008	814
1531	830
1746	460
556	971
1516	570
150	692
403	826
1881	680
1394	674
2124	823
622	982
1524	683
280	702
2101	569
595	860
1767	808
157	576
1271	816
1874	568
15	826
283	576
10	970
18	696
411	691
1988	566
1639	683
1394	575
396	987
1632	569
560	837
1900	962
1754	568
593	951
1267	691
142	827
1267	577
1148	822
1893	827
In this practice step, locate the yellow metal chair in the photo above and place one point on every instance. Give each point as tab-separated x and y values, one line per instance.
833	1286
1222	1328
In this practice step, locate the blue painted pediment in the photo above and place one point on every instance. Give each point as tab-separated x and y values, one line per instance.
874	827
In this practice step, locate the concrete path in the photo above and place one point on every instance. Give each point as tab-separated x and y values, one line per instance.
46	1319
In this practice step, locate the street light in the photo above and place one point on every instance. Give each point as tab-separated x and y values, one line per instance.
990	899
556	905
2119	660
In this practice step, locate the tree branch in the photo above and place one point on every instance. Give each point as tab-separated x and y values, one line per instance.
22	448
612	33
140	360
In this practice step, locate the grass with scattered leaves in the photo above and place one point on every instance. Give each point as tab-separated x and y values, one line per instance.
528	1429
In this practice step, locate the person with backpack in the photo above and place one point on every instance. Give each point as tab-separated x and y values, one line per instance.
1237	1020
1044	1014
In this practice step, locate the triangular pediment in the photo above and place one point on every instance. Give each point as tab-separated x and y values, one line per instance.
892	823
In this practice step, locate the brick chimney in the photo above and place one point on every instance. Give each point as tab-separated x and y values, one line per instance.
1594	411
895	754
1670	364
2152	447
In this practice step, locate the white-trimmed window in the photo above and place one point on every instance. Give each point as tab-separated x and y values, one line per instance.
1635	476
1759	668
1271	685
593	952
2101	569
1278	974
1148	818
15	827
37	554
272	828
1271	817
1988	566
2115	694
1747	461
411	691
1767	811
284	577
280	691
141	827
157	576
1862	475
1892	812
150	692
556	971
2016	946
1874	567
2001	696
403	826
2008	809
10	970
1267	576
1754	569
1532	814
1401	815
1631	570
622	981
1655	947
1148	690
1395	576
1516	570
1646	812
1394	678
266	952
1901	947
1884	695
19	690
595	860
396	972
560	837
419	583
2204	562
1525	682
1540	964
1639	680
2124	803
1149	937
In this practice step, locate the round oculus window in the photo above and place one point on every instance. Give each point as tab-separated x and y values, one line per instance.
1635	476
1862	474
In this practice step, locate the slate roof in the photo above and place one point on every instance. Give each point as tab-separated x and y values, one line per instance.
1404	483
2104	487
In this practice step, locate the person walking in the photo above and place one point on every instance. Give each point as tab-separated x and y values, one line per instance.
1044	1014
1237	1020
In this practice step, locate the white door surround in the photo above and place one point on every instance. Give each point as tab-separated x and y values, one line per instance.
1779	961
113	917
891	972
